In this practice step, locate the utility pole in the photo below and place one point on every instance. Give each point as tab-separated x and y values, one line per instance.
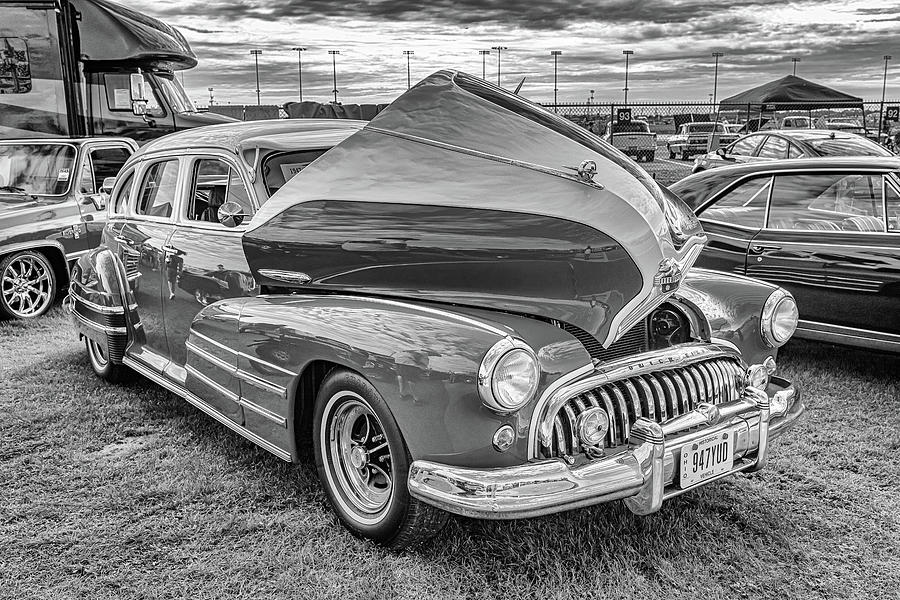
334	54
717	56
210	96
256	54
408	53
483	54
555	54
499	50
886	57
300	50
627	54
795	60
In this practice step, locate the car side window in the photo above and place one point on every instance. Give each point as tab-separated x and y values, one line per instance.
827	202
99	164
744	205
773	147
892	202
214	183
158	189
745	146
122	194
86	183
794	151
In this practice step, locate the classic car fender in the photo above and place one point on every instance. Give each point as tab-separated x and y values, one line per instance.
100	300
733	307
421	358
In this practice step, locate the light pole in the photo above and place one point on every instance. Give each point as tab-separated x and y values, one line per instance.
483	54
499	49
555	54
717	56
886	57
627	54
210	96
256	54
408	53
334	54
300	50
795	60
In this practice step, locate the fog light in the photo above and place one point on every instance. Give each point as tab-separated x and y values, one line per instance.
504	438
758	377
592	426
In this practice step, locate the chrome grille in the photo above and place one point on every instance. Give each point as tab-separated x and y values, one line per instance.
658	396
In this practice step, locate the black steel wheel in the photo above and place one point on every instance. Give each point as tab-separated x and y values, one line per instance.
27	285
363	464
102	365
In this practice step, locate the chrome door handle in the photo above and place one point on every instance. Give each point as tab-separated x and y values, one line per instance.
760	248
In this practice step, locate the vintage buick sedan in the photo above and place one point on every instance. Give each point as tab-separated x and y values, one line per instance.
469	305
52	210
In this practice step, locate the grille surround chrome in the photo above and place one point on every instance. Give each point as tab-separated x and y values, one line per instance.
625	397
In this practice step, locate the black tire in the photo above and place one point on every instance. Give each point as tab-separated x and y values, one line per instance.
28	286
103	367
384	511
671	155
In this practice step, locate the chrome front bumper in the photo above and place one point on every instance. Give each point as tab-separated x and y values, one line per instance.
643	474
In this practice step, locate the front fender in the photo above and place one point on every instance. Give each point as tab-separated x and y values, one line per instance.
733	307
99	303
423	361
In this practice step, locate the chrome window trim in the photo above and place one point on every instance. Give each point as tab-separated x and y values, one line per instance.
144	165
191	159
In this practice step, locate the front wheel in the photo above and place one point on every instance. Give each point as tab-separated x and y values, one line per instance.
103	367
27	285
363	464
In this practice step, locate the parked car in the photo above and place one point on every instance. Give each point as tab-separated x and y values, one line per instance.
781	144
633	138
796	122
826	229
447	339
52	210
695	138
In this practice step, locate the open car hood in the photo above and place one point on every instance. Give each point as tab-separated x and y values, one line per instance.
465	193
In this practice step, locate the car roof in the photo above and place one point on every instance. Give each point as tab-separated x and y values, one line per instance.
68	140
804	135
272	133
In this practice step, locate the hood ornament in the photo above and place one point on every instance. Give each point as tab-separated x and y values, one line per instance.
668	277
586	171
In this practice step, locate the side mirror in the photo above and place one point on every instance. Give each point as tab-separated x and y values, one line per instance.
231	214
107	185
98	200
721	152
138	96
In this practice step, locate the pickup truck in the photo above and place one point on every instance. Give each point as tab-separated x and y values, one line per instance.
633	138
694	138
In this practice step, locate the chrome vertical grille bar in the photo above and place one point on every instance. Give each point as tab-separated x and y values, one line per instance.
661	409
627	410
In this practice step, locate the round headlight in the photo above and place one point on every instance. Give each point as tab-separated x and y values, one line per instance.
779	318
509	375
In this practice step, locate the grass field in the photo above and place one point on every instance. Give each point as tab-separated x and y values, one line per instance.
127	492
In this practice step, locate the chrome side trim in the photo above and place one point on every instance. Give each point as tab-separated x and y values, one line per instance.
275	418
295	277
851	336
210	358
255	359
93	325
221	389
206	338
206	408
109	310
259	382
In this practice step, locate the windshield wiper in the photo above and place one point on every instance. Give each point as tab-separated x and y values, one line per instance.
12	188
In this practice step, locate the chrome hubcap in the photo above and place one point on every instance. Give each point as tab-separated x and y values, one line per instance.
360	456
26	286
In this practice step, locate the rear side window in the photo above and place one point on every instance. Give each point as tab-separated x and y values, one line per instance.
122	195
215	182
744	205
892	201
828	202
745	146
773	147
157	192
15	69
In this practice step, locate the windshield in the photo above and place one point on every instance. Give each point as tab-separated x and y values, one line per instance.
855	146
174	93
38	168
630	127
705	128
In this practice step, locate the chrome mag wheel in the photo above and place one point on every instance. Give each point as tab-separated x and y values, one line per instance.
27	285
358	456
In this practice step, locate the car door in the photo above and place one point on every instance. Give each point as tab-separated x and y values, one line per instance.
825	241
731	220
205	265
141	244
98	162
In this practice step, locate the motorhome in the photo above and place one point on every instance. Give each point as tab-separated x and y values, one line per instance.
81	68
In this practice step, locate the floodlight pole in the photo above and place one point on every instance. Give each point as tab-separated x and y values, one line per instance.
256	54
210	95
555	54
886	57
408	53
484	54
499	50
627	54
717	56
795	60
334	54
299	50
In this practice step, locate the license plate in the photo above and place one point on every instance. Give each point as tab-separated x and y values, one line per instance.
706	458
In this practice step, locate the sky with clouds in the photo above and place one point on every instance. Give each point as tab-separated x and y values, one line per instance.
839	43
